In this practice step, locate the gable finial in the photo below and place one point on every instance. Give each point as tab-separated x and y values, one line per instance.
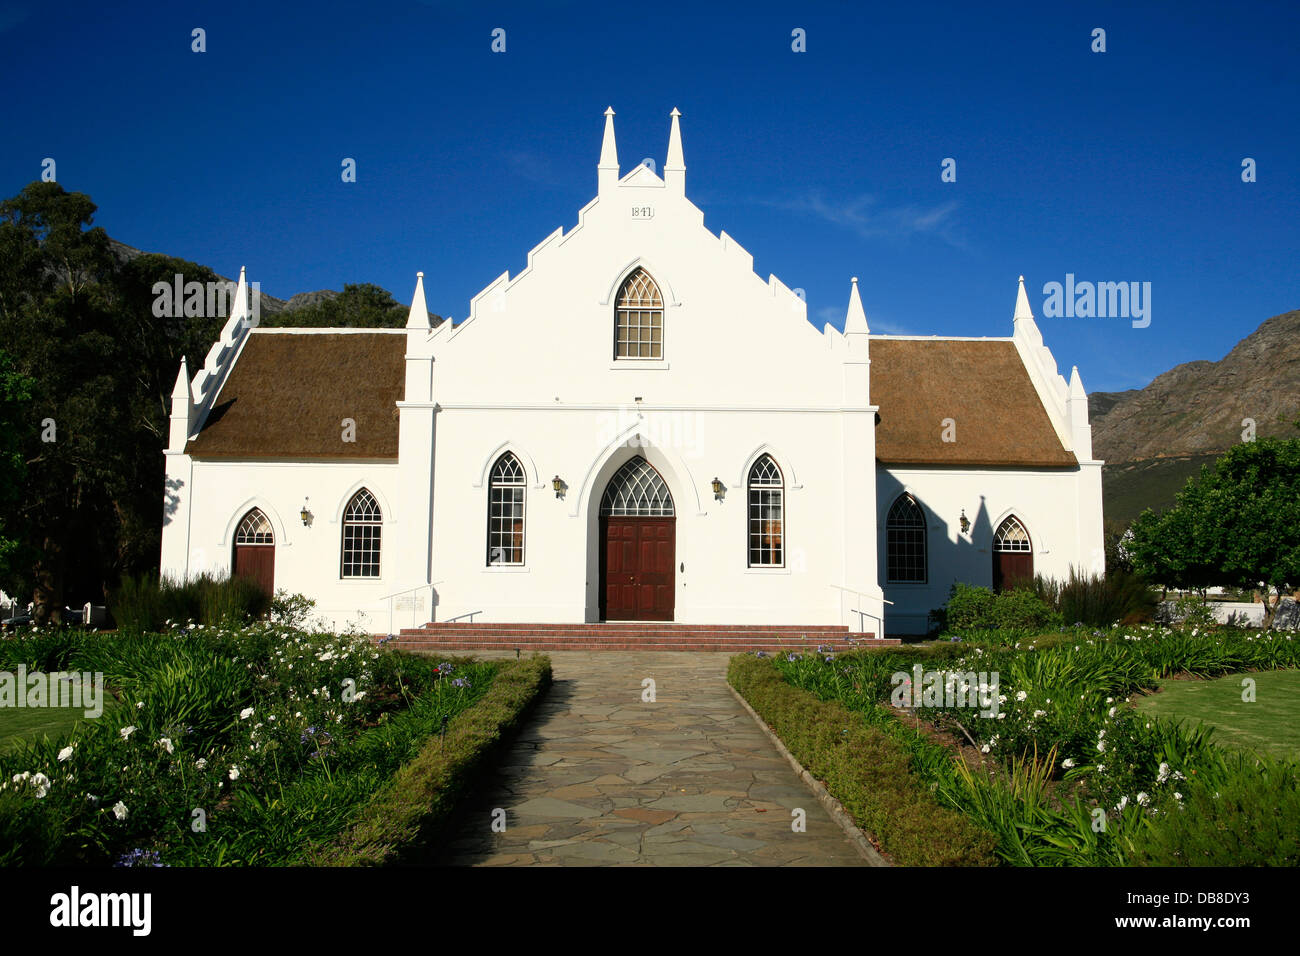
856	319
675	165
1022	303
607	168
419	317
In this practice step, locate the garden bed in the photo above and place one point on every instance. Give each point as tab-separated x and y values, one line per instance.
234	746
1075	775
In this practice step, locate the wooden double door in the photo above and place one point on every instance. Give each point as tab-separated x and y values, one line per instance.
637	559
256	561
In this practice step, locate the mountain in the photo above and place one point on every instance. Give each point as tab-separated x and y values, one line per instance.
1154	438
270	305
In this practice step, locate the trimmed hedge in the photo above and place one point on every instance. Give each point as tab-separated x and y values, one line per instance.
398	824
865	769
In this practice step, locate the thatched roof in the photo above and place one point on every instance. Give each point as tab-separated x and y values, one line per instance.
981	385
288	395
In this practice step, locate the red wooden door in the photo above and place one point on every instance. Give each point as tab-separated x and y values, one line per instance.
256	561
1011	568
636	568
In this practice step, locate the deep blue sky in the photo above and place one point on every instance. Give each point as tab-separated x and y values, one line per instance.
1118	166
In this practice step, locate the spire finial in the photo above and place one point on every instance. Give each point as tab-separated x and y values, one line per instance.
856	319
675	157
608	148
419	317
1022	303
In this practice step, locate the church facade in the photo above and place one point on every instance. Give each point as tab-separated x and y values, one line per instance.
636	427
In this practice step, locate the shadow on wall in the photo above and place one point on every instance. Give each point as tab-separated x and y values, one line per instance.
968	558
171	498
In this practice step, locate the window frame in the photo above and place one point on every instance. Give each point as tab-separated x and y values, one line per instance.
655	307
759	496
500	481
920	531
368	539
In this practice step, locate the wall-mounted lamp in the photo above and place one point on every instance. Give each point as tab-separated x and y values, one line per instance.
718	489
558	484
965	522
305	515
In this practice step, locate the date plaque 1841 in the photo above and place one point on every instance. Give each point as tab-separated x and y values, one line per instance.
643	212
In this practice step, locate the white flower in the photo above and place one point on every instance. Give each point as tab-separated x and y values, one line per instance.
139	705
201	762
1040	713
1111	712
42	785
1021	695
1123	802
234	773
65	753
1177	795
166	744
246	713
127	731
1067	763
1143	799
984	749
1101	746
1164	773
119	810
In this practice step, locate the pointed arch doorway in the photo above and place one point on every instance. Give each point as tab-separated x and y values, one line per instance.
254	555
638	545
1013	555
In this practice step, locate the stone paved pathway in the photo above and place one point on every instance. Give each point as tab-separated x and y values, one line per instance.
599	777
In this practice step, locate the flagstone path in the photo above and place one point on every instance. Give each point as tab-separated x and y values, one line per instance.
600	777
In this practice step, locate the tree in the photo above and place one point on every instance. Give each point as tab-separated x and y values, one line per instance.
16	421
359	306
80	327
1237	525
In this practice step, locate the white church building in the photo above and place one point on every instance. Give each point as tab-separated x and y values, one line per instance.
636	427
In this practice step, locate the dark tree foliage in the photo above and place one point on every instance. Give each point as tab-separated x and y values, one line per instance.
86	376
1235	525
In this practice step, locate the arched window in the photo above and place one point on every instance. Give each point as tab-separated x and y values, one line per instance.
505	539
637	491
639	325
766	515
255	529
905	541
1011	536
362	526
1013	554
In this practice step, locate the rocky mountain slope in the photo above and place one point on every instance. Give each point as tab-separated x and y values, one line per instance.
1153	438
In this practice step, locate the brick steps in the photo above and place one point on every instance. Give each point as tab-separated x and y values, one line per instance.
650	636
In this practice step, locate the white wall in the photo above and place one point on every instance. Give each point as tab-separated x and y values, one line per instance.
307	559
1060	508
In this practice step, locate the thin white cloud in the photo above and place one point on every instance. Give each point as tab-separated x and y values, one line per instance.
865	216
835	316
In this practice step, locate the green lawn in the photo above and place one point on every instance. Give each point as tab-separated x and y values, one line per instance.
1271	724
18	724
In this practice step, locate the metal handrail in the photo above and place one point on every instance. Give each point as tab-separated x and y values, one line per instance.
881	631
396	594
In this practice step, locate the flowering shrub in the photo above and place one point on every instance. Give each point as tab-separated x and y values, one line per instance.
229	745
